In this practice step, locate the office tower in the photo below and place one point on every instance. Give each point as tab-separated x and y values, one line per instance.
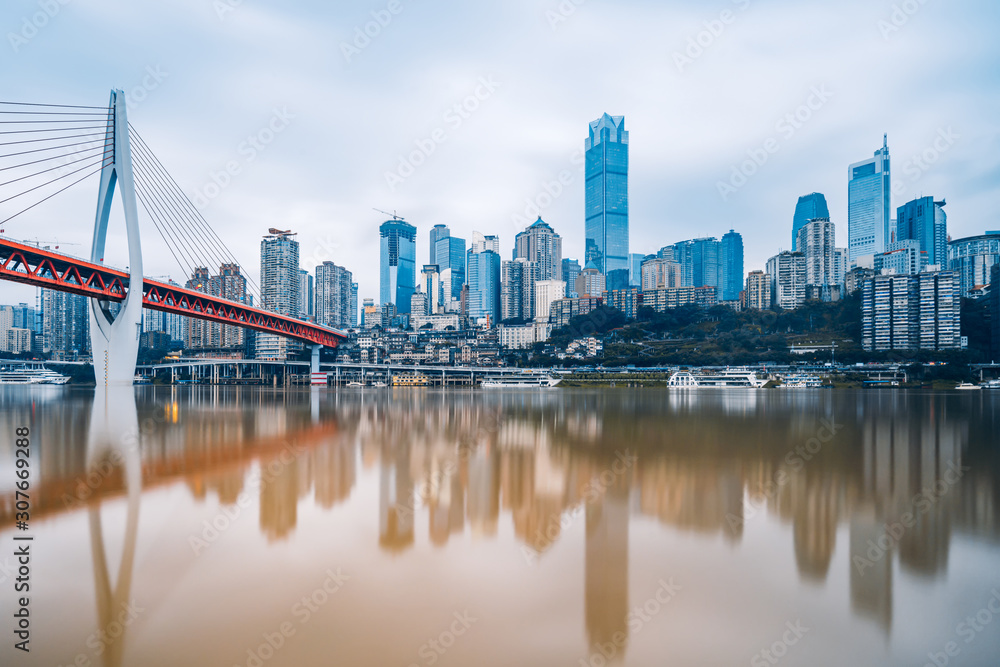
730	266
450	254
635	260
817	242
398	277
354	305
483	280
591	282
909	312
307	297
511	287
809	207
279	290
840	265
334	293
65	324
787	271
481	243
606	199
540	244
901	257
758	295
570	270
23	317
868	205
438	232
430	281
681	253
547	291
705	263
660	273
418	303
924	220
973	258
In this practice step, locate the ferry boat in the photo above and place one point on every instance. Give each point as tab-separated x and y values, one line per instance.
30	373
801	381
966	386
521	382
991	384
409	381
742	378
354	383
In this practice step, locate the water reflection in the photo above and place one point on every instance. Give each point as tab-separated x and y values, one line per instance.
457	466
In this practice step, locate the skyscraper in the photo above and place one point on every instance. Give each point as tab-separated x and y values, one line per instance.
705	265
279	290
307	297
817	242
539	243
570	270
430	281
868	205
809	207
229	284
606	199
334	292
635	260
437	233
787	271
398	277
449	253
924	220
483	270
65	324
730	266
511	274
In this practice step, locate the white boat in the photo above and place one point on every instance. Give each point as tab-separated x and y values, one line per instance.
354	384
729	378
801	381
966	386
379	384
29	373
991	384
521	382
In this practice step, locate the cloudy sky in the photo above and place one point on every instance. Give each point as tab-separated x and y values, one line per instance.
472	114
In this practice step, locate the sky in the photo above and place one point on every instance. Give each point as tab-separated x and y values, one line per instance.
474	115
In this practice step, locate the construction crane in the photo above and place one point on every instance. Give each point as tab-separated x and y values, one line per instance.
393	214
46	244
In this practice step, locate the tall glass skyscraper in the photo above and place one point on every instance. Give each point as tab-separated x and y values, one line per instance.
731	266
705	267
449	253
868	204
606	205
809	207
924	220
484	285
398	279
438	232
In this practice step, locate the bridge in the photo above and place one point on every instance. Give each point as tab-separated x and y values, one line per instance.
102	139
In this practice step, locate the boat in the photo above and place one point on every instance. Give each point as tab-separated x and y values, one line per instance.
409	381
729	378
520	382
354	383
966	386
379	384
801	381
991	384
139	379
30	373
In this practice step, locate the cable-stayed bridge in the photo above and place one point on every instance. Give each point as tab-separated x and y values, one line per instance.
46	149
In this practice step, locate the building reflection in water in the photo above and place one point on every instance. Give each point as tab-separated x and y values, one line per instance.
446	462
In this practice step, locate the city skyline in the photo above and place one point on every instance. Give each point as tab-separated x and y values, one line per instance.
483	176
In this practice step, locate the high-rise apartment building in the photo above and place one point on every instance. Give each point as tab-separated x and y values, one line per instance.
818	243
511	276
925	221
437	233
591	282
660	273
901	257
232	285
758	292
606	199
730	266
279	290
869	214
539	243
809	207
910	312
547	291
334	294
787	271
398	268
307	295
65	325
972	258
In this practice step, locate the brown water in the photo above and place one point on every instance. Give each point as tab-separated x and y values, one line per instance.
218	526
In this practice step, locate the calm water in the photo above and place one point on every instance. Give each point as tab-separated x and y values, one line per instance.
220	526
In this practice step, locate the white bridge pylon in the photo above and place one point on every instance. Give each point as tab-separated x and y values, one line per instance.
114	340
